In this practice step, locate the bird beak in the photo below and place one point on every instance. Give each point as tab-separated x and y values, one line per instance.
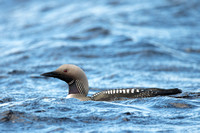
58	75
51	74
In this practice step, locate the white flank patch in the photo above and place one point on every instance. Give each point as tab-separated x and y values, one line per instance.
127	90
137	90
117	91
120	91
124	91
132	90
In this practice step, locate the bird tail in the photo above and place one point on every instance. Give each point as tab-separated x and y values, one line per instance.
164	92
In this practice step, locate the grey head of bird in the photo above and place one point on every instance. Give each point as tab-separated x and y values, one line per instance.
74	76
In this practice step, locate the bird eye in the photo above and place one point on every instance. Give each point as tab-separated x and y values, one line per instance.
65	71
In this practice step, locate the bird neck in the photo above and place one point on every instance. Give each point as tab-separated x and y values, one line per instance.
77	87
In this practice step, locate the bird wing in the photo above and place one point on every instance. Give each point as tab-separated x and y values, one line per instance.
120	94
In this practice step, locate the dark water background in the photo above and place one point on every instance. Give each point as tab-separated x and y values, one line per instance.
118	43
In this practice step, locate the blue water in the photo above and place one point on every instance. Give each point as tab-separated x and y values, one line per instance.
118	43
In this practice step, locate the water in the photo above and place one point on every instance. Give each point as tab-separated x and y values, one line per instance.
118	43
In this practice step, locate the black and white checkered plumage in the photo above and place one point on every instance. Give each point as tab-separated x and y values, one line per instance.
78	86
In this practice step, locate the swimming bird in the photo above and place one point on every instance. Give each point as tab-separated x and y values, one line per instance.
77	81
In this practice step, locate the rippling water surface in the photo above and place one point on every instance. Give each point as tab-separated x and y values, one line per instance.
118	43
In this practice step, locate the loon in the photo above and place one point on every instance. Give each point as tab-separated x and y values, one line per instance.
77	81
